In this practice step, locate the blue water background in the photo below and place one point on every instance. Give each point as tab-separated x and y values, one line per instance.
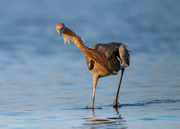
46	84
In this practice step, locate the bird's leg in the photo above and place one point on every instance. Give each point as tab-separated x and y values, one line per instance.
116	99
95	79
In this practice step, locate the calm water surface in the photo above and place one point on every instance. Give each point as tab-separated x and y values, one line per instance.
46	84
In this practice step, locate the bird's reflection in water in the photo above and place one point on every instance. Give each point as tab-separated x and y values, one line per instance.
115	121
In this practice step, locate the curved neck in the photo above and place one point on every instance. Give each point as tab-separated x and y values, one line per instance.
77	40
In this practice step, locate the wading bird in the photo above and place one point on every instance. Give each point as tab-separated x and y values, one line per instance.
102	59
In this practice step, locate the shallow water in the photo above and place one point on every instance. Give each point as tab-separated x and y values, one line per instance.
45	84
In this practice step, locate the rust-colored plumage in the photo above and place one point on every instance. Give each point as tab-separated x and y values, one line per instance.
102	59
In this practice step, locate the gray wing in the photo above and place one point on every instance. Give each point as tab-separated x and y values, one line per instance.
121	49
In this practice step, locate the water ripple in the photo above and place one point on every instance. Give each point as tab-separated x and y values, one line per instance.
156	101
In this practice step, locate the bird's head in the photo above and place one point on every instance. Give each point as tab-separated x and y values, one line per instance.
60	27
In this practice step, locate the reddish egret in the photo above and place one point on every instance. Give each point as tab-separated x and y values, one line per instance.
102	59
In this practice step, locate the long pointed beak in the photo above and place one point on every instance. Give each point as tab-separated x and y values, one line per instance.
60	33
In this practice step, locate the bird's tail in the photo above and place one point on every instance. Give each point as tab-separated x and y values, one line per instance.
124	55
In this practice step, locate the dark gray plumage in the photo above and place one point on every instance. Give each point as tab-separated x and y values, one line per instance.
116	54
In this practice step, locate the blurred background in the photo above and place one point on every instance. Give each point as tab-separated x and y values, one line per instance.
34	59
28	39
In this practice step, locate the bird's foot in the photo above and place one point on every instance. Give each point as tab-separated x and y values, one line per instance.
115	104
